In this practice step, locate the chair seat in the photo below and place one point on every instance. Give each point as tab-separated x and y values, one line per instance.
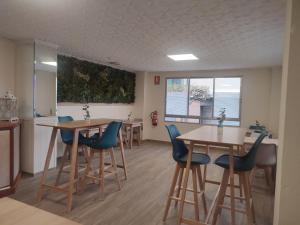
81	140
197	158
239	163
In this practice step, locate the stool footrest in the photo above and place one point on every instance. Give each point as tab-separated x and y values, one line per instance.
192	222
236	210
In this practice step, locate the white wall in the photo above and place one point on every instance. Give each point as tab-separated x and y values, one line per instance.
256	98
112	111
7	66
24	78
275	100
287	195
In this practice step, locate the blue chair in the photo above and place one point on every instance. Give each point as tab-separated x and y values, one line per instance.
67	138
242	166
107	141
180	153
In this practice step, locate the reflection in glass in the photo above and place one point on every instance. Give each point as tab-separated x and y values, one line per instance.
176	97
201	97
227	95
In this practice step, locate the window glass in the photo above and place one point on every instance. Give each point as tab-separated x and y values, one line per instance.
177	97
200	100
227	95
201	97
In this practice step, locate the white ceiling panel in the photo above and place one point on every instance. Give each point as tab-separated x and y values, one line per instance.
139	34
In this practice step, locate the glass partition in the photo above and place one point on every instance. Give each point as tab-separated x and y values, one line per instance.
45	79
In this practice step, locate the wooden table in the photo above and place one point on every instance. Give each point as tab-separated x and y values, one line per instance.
13	212
230	138
75	126
131	125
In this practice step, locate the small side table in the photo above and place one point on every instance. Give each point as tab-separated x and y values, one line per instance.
9	157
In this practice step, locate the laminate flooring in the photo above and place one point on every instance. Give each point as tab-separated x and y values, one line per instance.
143	196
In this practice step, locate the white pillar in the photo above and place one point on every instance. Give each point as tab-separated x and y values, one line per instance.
287	199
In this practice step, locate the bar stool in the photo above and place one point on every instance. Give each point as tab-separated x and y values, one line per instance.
242	166
107	141
266	160
180	152
67	139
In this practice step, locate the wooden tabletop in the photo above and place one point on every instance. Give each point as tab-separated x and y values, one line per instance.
231	136
13	212
77	124
6	125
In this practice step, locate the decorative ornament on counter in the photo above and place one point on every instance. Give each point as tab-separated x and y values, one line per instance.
221	118
8	108
86	111
129	117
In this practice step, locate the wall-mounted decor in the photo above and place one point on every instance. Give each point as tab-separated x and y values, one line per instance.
82	81
156	80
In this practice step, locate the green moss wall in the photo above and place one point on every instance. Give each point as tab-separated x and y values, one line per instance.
82	81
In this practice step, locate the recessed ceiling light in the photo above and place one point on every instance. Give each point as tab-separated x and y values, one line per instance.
50	63
182	57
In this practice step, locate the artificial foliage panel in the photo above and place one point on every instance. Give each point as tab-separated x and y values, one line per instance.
86	82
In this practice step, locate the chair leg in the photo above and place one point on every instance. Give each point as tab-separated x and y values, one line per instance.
171	192
114	165
101	171
62	164
241	187
252	174
179	185
250	193
195	190
221	196
201	185
247	198
87	169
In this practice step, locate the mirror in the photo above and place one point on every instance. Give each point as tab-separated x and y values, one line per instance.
45	79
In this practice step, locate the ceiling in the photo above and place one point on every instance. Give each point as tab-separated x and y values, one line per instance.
138	34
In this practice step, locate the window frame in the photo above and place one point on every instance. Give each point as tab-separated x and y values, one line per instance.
188	95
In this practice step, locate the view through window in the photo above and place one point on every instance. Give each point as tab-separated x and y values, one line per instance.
199	100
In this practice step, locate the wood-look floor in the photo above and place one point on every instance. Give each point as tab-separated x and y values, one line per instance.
143	196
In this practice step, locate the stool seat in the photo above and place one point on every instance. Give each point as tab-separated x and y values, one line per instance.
197	158
239	163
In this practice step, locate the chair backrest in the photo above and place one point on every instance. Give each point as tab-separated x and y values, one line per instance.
250	157
66	135
109	138
179	148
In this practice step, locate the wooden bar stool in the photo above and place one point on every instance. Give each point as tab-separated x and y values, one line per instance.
180	156
242	166
67	139
106	142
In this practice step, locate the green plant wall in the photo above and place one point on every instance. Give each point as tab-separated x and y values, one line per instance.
82	81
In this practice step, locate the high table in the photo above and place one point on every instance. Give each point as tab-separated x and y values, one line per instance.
130	125
13	212
230	138
75	126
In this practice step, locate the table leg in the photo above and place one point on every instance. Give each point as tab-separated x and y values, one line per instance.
231	176
123	153
73	169
47	162
185	181
131	137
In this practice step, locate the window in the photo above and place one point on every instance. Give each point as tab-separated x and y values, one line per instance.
199	100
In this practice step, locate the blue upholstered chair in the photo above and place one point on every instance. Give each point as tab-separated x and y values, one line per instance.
242	166
67	138
106	142
180	153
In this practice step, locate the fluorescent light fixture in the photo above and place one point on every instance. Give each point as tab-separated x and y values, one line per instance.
182	57
50	63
